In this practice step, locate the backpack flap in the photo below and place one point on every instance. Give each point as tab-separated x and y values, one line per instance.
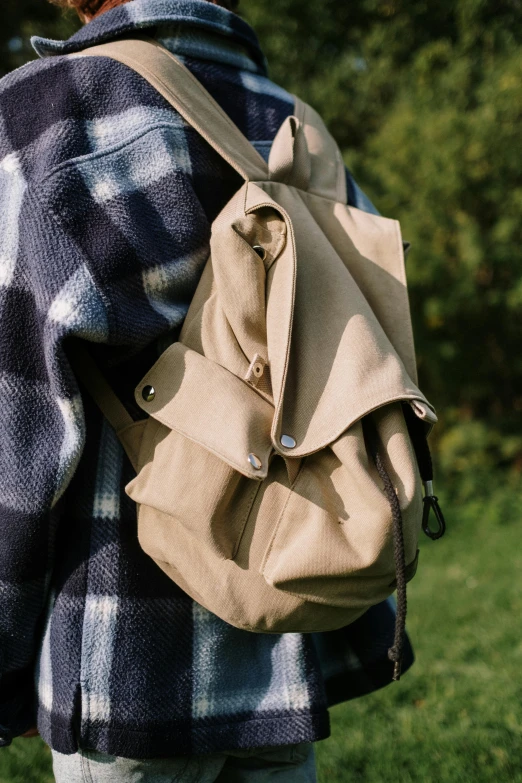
334	357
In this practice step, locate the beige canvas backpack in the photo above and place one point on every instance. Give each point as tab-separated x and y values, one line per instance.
277	473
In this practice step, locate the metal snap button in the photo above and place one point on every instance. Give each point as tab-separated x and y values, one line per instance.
288	442
255	462
261	252
148	393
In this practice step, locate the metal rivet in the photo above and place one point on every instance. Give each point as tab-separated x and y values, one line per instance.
258	369
261	252
255	462
148	393
288	442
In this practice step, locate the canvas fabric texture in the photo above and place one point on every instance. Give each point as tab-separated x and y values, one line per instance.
106	201
322	312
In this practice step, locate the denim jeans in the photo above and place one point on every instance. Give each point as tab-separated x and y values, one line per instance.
287	764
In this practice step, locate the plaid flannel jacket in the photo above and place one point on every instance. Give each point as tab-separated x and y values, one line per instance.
106	203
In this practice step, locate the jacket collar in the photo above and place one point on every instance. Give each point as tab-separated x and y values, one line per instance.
194	16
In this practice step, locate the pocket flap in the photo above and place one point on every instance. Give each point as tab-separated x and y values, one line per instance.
212	407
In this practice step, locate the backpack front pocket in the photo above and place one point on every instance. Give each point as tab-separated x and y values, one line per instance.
196	488
201	465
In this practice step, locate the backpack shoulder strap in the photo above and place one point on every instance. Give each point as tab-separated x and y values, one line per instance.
188	96
167	74
93	380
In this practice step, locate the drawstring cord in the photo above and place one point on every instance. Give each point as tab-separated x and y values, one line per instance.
419	441
395	652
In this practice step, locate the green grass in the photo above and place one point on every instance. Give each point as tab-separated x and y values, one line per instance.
457	716
26	761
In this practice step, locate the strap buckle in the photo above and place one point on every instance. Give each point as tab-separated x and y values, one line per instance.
431	503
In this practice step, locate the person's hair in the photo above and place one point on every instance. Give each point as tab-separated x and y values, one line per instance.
88	9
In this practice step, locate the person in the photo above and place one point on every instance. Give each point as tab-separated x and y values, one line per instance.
106	203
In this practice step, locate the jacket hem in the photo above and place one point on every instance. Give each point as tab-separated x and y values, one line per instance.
186	739
368	679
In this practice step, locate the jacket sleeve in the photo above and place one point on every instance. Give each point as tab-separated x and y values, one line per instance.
357	197
41	431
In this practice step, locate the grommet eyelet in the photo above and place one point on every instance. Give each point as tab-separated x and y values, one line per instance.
255	461
148	393
288	442
261	252
258	369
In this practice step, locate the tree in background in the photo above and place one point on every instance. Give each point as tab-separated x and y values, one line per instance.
425	100
23	18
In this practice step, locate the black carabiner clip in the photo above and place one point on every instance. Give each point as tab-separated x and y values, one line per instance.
431	502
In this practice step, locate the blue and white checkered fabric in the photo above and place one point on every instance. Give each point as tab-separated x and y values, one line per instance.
106	203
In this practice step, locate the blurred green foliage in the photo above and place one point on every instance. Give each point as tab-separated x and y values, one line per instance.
23	18
425	100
